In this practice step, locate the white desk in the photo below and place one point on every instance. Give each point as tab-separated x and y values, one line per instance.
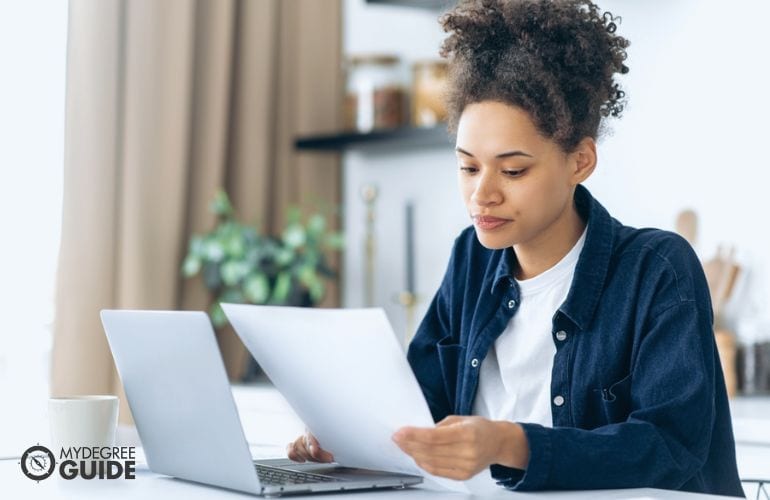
269	423
147	485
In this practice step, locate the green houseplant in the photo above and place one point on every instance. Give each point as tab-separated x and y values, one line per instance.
240	265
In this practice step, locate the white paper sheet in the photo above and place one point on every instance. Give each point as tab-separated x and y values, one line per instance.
346	376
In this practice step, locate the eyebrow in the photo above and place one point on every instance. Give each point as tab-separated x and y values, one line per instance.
501	155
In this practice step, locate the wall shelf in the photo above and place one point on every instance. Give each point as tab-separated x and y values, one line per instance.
423	4
398	137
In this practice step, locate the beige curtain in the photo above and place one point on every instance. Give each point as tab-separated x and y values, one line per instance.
165	103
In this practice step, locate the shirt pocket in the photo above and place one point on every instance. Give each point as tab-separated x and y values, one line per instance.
450	354
616	400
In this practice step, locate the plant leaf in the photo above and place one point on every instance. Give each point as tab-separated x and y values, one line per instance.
294	236
191	265
306	275
213	250
256	288
335	241
317	291
316	225
221	205
282	288
293	215
196	246
311	257
234	271
284	257
234	244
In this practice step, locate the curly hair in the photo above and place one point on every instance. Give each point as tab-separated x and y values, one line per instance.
555	59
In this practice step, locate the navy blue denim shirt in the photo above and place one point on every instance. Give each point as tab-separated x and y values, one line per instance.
638	395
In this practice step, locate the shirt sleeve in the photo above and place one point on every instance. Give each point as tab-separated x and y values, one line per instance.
665	439
423	355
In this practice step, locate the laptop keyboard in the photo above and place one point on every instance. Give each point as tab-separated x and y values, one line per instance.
275	476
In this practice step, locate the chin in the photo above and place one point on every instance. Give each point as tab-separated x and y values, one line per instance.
494	241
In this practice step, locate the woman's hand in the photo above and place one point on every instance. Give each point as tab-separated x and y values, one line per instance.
306	448
461	447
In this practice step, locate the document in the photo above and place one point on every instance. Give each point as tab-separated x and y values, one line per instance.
346	376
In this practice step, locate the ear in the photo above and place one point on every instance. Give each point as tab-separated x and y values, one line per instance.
583	160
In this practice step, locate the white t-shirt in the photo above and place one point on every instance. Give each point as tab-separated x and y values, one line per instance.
515	377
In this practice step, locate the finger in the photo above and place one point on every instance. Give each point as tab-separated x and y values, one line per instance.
445	462
292	453
318	454
451	419
454	450
321	455
313	449
301	450
451	473
430	435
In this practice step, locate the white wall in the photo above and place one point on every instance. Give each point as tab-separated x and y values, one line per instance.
693	136
695	132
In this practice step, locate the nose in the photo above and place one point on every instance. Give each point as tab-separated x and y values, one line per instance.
486	192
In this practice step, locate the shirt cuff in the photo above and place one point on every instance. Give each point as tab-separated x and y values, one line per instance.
538	471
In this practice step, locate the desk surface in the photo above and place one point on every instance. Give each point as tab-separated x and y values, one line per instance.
148	485
268	424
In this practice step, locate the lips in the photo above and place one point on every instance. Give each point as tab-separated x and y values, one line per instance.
487	222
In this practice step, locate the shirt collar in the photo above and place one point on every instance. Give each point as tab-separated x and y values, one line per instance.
592	266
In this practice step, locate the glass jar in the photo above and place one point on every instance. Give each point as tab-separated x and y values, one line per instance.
429	83
375	96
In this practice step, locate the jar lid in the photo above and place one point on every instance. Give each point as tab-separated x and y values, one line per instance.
378	59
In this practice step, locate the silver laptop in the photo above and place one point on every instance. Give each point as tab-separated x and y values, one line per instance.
186	417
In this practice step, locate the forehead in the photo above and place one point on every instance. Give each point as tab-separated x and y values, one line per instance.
490	127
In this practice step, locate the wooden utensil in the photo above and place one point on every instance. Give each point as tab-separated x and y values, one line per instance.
687	226
721	273
727	351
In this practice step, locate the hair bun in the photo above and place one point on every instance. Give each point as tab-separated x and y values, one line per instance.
555	58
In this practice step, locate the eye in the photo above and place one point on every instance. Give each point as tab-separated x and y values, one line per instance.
468	169
515	173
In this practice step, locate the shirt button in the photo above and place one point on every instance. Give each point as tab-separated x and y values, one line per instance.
558	400
511	304
475	362
561	335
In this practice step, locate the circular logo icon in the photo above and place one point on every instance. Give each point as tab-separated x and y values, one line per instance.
37	463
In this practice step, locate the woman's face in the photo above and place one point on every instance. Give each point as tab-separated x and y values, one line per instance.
515	183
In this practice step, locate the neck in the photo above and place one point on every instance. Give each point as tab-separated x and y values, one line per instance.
550	246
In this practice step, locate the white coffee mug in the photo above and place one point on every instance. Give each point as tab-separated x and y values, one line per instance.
82	421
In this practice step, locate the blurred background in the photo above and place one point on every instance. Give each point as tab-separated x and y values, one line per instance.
167	155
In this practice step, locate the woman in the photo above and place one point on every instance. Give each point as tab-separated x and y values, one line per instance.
563	349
